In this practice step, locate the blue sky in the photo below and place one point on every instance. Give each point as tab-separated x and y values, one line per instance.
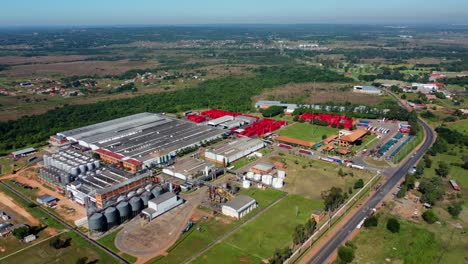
137	12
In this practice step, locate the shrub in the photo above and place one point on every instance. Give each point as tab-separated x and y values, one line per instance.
455	209
21	232
393	225
359	184
346	254
430	217
371	221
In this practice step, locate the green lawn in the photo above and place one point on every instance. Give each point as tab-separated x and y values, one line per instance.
242	162
5	164
309	178
456	172
195	240
263	197
259	238
108	240
415	243
307	132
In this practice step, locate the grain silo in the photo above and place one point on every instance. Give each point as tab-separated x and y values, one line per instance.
112	217
145	197
136	205
124	211
157	191
97	222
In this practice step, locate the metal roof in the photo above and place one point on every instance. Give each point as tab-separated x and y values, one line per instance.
23	151
240	202
163	197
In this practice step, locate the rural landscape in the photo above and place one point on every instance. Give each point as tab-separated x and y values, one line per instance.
233	142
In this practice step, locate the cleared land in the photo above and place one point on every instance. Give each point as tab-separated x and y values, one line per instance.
307	132
309	178
77	68
259	238
415	243
319	93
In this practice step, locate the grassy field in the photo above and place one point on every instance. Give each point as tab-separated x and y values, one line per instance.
242	162
212	228
108	242
5	164
456	172
259	238
79	247
309	178
307	132
415	243
461	126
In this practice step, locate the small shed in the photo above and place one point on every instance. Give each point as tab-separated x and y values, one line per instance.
29	238
46	199
23	152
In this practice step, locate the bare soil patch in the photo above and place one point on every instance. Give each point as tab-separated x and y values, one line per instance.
318	93
77	68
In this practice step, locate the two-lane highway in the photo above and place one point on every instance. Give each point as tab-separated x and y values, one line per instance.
329	248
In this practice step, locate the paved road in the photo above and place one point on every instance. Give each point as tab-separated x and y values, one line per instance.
329	248
71	228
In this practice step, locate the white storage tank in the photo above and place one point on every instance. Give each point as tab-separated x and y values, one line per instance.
97	164
246	184
131	194
90	166
278	183
267	179
257	177
281	174
250	175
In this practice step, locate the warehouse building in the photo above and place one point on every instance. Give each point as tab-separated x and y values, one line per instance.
220	120
262	168
141	140
239	206
161	204
23	152
232	151
189	168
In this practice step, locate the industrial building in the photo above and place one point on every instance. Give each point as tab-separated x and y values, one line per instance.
262	168
232	151
141	140
23	152
239	206
126	207
367	90
161	204
189	168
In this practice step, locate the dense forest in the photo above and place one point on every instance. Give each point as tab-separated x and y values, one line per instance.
230	93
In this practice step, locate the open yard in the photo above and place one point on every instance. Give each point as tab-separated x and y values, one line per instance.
259	238
307	132
310	178
415	243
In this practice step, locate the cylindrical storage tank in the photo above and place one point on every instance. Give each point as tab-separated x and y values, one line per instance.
112	217
157	191
121	198
148	187
257	177
136	205
125	211
97	222
250	175
97	164
140	191
131	194
145	197
74	171
246	184
83	168
46	160
281	174
90	166
267	179
65	178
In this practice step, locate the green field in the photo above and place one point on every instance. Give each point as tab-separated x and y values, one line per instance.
259	238
5	164
309	178
213	228
461	126
415	243
307	132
